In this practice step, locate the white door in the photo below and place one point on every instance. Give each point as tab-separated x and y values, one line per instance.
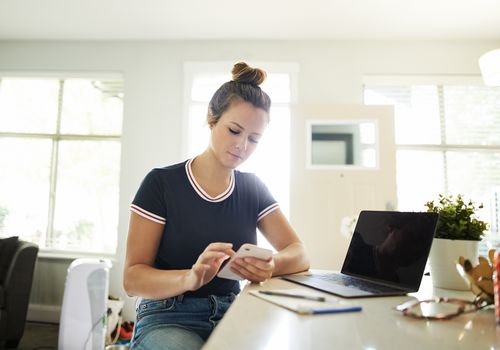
325	192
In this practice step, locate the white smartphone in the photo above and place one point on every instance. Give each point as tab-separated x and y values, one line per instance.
246	250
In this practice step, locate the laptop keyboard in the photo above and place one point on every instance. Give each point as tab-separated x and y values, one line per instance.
349	281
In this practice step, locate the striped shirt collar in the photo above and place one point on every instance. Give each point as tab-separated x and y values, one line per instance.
201	192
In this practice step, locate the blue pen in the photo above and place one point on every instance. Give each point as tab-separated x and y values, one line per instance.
308	311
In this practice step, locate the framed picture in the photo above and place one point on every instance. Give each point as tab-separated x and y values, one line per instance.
332	148
344	144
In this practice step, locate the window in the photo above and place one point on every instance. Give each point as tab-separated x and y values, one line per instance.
447	141
60	151
271	160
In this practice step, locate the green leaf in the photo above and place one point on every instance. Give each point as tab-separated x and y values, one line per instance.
457	219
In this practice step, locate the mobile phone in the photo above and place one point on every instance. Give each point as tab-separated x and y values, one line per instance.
246	250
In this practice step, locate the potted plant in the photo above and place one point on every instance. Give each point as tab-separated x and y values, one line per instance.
458	234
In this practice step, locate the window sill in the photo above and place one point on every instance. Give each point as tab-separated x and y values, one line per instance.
69	255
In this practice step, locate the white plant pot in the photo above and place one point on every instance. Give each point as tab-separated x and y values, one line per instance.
443	258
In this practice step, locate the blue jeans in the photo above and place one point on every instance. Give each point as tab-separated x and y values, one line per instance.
178	322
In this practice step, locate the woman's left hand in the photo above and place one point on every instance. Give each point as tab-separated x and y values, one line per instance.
253	269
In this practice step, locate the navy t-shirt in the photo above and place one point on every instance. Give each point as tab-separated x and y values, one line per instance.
192	219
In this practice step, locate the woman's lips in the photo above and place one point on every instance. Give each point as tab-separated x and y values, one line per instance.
235	155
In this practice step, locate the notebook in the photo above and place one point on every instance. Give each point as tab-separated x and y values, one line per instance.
307	305
386	256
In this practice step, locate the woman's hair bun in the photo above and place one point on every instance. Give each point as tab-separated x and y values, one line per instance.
243	73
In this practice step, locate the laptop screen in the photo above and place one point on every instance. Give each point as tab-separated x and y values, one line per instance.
391	247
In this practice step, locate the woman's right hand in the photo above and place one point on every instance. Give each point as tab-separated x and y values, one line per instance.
208	264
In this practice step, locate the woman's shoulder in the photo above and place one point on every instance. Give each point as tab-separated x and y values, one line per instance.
167	171
247	177
243	175
172	167
169	168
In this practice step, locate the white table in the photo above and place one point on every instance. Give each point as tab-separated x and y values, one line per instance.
253	323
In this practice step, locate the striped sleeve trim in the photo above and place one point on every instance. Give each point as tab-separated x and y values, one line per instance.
267	211
146	214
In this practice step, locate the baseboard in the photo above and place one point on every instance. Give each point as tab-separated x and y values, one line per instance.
44	313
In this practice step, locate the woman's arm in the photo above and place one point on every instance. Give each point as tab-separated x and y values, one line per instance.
140	278
290	258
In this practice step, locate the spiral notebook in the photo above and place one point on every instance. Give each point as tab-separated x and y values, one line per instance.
304	306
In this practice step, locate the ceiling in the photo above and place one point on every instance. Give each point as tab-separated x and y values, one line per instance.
251	19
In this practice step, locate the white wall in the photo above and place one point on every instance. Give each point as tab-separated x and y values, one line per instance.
330	72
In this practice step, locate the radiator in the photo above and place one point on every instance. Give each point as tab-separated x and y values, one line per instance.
48	289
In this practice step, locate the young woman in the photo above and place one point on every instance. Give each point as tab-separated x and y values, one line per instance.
187	218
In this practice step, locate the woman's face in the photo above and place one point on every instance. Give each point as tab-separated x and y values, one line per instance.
237	132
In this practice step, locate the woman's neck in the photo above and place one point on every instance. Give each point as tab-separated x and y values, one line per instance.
207	170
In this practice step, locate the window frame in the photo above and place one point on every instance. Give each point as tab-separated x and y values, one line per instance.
491	238
56	137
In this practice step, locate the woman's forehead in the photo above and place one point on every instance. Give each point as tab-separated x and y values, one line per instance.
246	116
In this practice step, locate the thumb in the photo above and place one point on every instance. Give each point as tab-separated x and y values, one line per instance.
200	268
222	259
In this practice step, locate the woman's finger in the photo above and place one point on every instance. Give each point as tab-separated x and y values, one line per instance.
210	255
243	272
259	263
220	246
250	272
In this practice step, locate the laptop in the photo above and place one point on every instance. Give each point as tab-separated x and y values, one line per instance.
386	256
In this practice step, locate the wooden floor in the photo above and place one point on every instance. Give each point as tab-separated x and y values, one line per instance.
39	336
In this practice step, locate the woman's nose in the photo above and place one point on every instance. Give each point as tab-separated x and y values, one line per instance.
242	144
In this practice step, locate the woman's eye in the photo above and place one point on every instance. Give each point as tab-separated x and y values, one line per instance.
234	132
252	140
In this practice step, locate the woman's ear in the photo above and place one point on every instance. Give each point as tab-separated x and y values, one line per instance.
211	121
